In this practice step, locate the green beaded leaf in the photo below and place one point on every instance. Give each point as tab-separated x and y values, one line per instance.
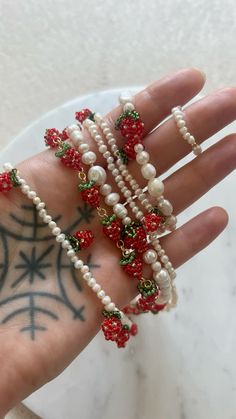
75	243
91	116
126	114
127	259
125	326
109	314
121	154
130	229
106	221
13	176
147	288
62	149
86	185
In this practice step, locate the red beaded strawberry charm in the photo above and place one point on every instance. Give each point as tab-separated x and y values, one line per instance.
112	227
130	125
135	237
152	222
90	193
115	331
53	137
132	265
128	148
69	156
8	180
84	114
82	239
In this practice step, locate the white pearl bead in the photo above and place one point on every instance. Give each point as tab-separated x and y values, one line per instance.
171	221
31	194
183	130
85	269
7	167
89	157
52	224
156	266
197	150
106	300
98	117
101	294
72	128
71	253
74	258
187	136
92	282
41	205
83	148
110	307
191	139
98	174
128	107
47	218
139	215
42	213
163	275
150	256
180	123
120	210
77	137
125	97
102	148
164	259
36	200
87	276
25	189
78	264
60	238
65	244
148	171
115	172
166	207
56	231
105	189
155	187
126	220
96	288
112	199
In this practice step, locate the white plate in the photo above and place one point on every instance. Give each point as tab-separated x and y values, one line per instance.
182	364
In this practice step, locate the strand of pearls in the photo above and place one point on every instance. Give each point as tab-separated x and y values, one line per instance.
61	239
155	186
178	116
151	255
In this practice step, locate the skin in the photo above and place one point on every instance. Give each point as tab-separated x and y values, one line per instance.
30	358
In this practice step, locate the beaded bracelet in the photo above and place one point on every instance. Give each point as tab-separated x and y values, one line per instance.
116	326
178	116
150	256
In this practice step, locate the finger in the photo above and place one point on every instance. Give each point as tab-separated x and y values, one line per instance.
195	235
154	103
200	175
203	118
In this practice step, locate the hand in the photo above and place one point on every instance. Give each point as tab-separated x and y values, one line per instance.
47	314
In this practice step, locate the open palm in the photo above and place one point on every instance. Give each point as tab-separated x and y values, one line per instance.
47	314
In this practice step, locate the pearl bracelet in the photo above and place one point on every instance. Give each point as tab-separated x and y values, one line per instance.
178	116
124	327
150	256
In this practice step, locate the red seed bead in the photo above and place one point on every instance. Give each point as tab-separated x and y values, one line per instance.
72	159
85	237
122	338
82	115
134	329
5	182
